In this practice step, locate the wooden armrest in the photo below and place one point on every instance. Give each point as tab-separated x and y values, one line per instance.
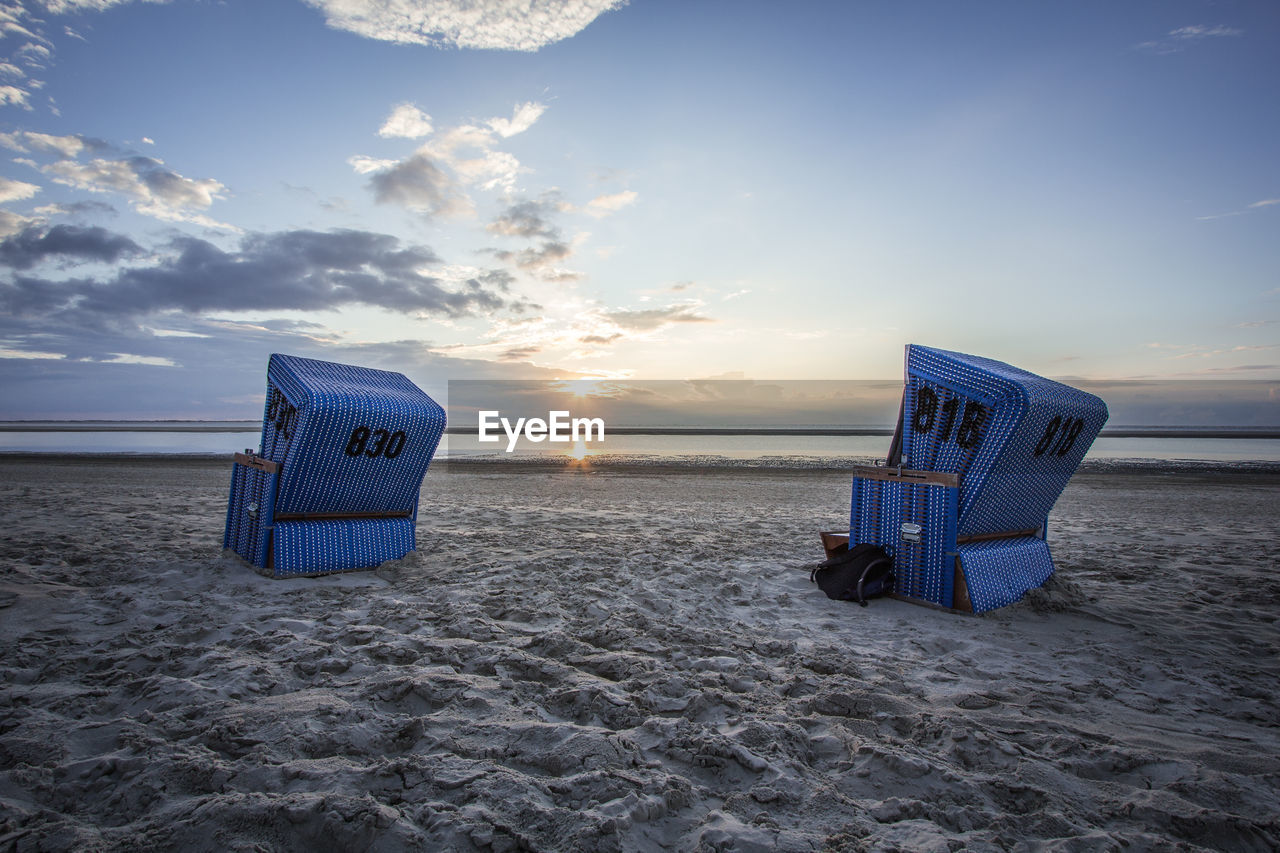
907	475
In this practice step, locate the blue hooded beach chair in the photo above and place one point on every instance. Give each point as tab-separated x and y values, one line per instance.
334	486
980	456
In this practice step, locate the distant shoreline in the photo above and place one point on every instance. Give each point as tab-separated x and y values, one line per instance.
256	426
628	464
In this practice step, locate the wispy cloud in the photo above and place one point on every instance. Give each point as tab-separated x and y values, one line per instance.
650	319
1228	371
540	258
1200	31
1179	39
11	190
1257	205
152	187
607	205
527	219
14	96
479	24
522	118
1211	353
63	7
579	331
68	147
12	223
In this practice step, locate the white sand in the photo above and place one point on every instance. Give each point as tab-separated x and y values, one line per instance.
628	660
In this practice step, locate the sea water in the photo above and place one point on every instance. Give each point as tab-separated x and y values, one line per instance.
227	437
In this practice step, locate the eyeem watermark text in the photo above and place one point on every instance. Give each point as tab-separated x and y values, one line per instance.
558	427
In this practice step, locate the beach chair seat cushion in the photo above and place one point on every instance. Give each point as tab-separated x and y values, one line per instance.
998	572
339	545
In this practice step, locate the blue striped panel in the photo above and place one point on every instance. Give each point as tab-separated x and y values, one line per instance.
321	547
249	534
999	572
924	569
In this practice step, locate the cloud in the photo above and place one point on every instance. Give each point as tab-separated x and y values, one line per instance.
12	223
12	95
1178	39
406	121
16	190
1200	31
533	260
522	118
477	24
419	184
154	189
90	379
366	165
526	219
22	23
519	353
64	7
431	180
34	245
1257	205
651	319
288	270
607	205
68	147
490	170
77	209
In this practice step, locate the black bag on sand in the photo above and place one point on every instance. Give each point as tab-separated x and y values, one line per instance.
862	572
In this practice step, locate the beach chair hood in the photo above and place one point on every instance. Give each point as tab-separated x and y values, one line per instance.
1013	438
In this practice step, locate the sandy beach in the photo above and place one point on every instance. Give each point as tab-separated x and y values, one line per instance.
629	659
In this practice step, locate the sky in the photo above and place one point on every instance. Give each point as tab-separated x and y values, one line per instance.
659	189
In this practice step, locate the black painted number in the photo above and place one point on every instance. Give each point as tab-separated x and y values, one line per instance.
359	438
926	409
971	427
385	444
1059	436
926	415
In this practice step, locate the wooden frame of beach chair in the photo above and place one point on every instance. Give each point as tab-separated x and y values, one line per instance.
981	454
334	486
